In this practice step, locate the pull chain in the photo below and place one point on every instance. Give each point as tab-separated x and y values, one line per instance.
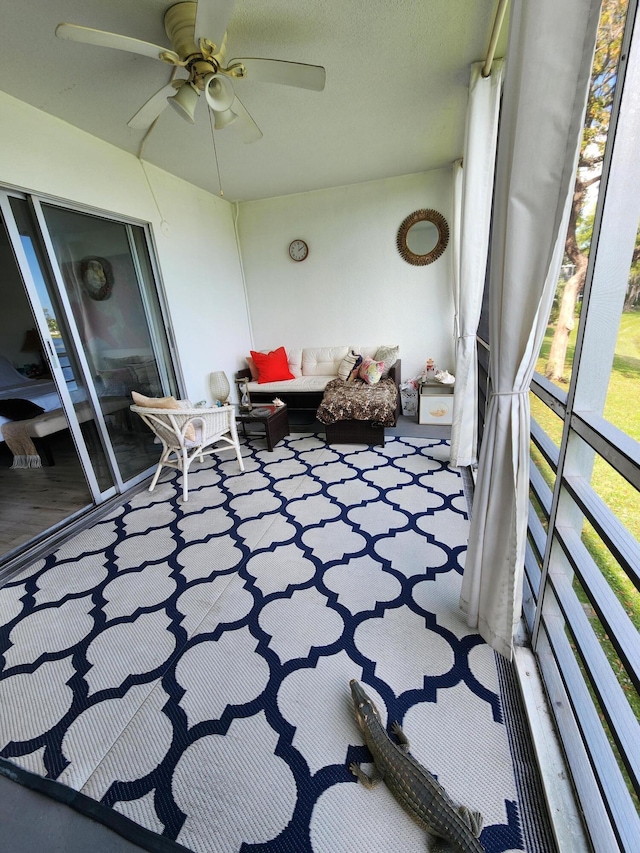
164	225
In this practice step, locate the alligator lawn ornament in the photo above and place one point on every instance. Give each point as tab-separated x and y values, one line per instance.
417	791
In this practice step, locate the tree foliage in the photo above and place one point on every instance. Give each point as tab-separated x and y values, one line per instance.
598	113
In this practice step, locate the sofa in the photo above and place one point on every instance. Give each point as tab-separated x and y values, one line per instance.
312	369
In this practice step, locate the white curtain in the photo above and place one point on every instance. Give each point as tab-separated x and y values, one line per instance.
551	44
456	240
473	190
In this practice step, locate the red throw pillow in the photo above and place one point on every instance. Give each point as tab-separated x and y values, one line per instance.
272	366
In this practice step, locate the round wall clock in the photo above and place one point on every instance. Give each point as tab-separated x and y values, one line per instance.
298	250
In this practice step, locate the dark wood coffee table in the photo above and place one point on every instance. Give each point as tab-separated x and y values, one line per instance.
274	418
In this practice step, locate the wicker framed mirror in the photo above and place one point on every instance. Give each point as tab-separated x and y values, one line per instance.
422	237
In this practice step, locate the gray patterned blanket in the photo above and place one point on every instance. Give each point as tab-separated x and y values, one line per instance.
358	401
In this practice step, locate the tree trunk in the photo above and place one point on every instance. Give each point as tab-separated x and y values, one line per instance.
554	369
632	296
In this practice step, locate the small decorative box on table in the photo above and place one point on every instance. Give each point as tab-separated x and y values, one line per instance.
435	403
274	419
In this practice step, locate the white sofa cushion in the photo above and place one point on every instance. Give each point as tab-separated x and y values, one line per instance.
322	361
326	361
295	361
302	383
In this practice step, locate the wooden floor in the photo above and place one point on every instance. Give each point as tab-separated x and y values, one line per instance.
33	500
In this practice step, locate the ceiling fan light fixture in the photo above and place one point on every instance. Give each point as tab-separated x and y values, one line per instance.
219	92
223	118
185	101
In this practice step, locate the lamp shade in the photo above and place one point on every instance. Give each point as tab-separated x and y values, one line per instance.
31	342
218	91
223	119
219	386
185	102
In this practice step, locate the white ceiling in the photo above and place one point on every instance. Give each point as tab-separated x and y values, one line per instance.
394	102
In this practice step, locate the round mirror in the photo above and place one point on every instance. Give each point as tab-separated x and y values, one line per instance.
423	237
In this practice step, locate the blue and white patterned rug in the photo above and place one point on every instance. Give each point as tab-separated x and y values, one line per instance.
187	665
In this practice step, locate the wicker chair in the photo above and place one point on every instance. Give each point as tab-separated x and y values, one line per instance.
210	426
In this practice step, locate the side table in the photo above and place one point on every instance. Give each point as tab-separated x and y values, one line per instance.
274	419
435	403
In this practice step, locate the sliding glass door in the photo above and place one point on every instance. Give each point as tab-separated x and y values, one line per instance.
97	316
33	499
64	365
106	285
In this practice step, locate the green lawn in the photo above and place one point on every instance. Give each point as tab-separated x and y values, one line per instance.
621	409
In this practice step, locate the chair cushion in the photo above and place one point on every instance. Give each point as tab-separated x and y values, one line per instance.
163	403
272	366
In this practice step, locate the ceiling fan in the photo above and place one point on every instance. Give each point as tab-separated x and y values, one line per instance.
197	32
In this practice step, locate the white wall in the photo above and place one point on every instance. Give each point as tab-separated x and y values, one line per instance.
353	288
198	254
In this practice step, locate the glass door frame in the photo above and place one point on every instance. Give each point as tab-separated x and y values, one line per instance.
160	362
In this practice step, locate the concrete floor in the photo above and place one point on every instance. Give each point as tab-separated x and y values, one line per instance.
34	823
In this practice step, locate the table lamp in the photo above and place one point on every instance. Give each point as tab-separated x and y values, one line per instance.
219	387
33	344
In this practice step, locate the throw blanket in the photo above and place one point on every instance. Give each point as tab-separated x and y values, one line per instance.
25	455
345	401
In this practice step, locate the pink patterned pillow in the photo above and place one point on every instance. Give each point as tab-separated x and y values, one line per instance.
371	371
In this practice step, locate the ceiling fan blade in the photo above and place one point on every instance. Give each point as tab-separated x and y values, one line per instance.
285	73
245	126
212	17
87	35
150	110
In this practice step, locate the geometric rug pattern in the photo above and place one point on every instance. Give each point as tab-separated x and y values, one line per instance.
187	665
